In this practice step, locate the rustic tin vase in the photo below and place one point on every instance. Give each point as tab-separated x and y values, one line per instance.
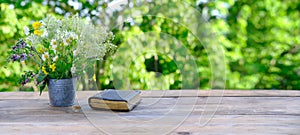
62	92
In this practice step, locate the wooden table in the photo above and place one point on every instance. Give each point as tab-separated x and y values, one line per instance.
178	112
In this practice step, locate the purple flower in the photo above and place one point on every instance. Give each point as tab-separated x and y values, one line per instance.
23	57
14	48
32	75
15	57
27	80
22	44
23	83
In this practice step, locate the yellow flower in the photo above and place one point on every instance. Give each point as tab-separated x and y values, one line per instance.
94	77
44	70
40	50
52	66
36	25
37	32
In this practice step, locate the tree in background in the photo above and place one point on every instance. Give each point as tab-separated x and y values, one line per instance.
260	40
13	18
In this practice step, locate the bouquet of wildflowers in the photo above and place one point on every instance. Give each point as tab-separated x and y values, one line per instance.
58	47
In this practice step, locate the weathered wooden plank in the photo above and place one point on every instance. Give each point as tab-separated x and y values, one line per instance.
222	93
16	103
22	95
169	93
38	103
245	124
276	112
48	129
219	124
228	105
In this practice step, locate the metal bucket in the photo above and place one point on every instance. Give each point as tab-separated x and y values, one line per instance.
62	92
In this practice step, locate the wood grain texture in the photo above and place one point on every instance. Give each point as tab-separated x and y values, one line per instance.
169	93
160	112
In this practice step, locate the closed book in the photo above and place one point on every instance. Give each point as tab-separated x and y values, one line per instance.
116	100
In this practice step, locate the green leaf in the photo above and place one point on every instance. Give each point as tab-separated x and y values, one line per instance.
41	77
42	87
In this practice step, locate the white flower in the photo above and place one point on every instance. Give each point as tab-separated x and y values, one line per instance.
58	22
45	56
58	31
73	69
26	30
75	52
55	58
54	48
43	23
45	34
73	36
66	41
53	43
66	34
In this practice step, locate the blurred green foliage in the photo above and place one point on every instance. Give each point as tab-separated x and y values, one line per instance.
256	42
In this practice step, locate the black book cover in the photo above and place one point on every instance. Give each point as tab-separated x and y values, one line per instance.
117	95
